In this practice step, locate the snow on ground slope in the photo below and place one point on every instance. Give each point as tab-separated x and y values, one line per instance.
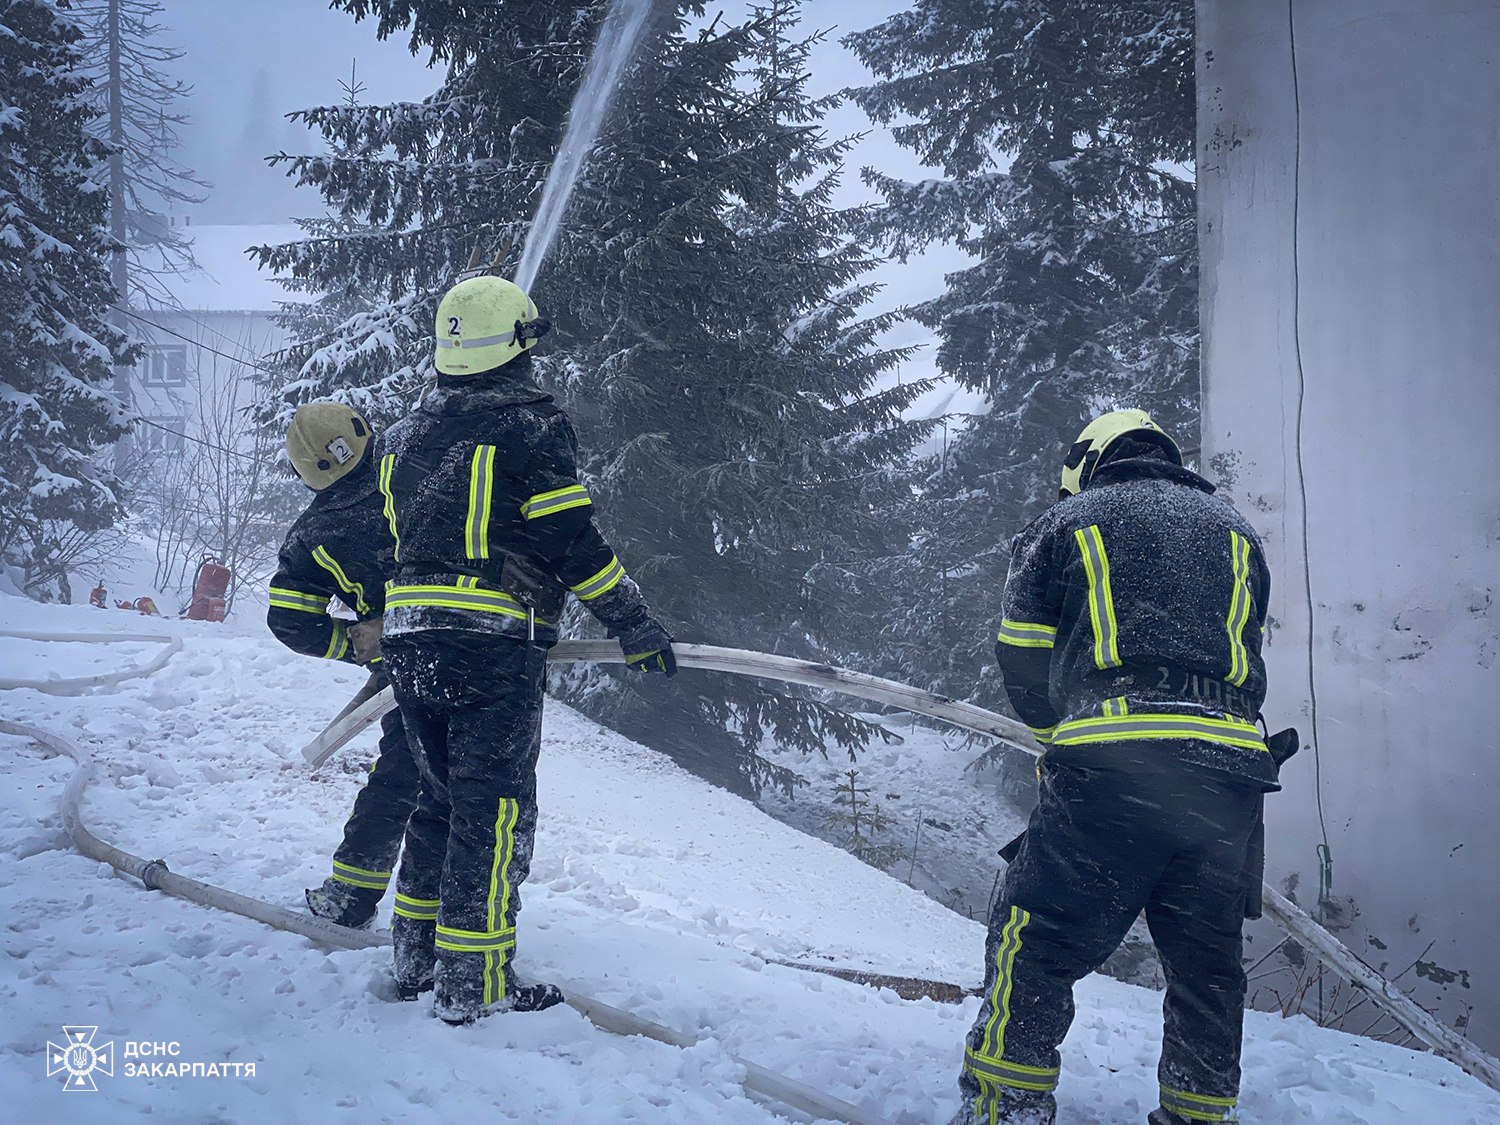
650	889
921	779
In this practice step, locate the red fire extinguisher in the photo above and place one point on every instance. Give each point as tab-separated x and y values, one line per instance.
210	585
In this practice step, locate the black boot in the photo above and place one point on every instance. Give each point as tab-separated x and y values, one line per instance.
530	997
342	904
406	991
1159	1116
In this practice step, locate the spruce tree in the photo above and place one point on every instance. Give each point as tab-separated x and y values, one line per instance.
708	339
56	410
1061	131
413	189
725	384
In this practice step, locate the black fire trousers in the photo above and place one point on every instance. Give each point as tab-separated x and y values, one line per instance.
1102	845
372	835
472	707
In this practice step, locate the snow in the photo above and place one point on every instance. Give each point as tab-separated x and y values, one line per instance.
651	890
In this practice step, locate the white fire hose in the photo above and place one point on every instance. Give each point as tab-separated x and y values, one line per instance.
154	874
1442	1040
757	1081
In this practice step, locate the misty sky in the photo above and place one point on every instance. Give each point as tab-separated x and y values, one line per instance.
252	61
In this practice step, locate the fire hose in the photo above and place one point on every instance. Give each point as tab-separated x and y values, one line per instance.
757	1081
79	684
1443	1041
1295	922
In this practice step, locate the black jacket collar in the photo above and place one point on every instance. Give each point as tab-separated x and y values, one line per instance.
1146	468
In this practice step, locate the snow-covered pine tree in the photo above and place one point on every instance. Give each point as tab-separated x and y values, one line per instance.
738	417
413	188
706	302
1062	131
56	352
139	112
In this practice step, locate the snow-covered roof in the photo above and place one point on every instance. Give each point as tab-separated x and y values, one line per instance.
228	278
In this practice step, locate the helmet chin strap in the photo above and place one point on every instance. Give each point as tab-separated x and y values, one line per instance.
531	330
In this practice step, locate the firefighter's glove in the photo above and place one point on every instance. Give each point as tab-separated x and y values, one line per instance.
648	648
365	637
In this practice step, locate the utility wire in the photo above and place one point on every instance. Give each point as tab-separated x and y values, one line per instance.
1325	854
251	363
199	440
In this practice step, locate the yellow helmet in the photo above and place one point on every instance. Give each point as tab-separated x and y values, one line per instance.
482	323
1094	442
326	442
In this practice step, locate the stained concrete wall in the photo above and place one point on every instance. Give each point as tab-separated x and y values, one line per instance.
1349	185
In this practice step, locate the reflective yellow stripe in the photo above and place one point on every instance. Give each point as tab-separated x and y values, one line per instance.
1198	1107
283	597
558	500
455	597
327	562
473	941
387	468
506	815
1043	734
1001	1072
1116	707
481	490
359	877
1027	634
1239	609
601	583
338	644
1101	597
1229	732
992	1046
417	909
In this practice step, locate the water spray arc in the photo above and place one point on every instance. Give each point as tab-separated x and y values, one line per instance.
619	35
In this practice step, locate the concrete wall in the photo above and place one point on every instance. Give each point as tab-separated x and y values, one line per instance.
1350	224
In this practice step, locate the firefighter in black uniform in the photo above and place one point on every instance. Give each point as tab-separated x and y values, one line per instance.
493	530
340	547
1130	644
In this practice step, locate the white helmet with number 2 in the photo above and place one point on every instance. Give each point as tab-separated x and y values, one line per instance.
484	323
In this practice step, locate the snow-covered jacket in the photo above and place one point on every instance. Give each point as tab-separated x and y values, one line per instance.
1133	614
340	547
492	527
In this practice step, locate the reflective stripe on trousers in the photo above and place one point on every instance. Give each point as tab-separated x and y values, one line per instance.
1199	1107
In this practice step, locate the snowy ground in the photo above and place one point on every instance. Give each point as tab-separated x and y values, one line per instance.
921	779
651	890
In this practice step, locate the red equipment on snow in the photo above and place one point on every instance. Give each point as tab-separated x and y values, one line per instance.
210	585
99	596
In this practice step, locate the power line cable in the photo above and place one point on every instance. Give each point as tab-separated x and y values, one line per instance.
200	441
250	363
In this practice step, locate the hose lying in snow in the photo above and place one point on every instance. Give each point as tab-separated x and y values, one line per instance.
80	684
1443	1041
155	875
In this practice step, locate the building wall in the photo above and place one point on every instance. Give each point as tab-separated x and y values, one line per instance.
1350	224
199	365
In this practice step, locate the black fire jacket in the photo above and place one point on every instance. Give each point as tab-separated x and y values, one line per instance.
1132	618
340	547
492	527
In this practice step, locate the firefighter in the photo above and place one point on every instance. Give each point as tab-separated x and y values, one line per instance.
1130	644
340	547
493	530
